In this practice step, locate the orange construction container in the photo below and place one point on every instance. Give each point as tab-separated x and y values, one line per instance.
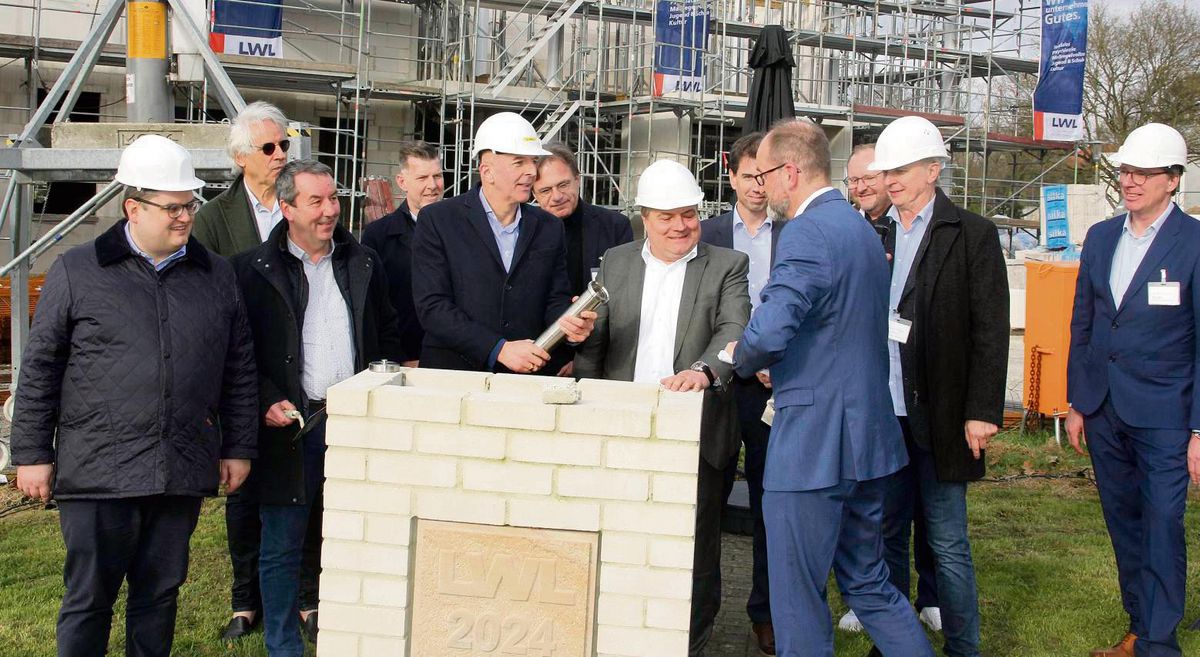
1049	297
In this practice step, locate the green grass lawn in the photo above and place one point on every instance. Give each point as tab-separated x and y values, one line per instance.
1047	579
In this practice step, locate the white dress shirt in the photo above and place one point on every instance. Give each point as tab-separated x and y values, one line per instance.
327	335
804	206
661	292
908	242
265	218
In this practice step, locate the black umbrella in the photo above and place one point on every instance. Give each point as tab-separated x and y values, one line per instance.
771	91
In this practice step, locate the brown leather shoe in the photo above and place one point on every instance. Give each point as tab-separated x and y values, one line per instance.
764	634
1122	649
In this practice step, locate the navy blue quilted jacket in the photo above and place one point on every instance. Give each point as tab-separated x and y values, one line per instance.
136	382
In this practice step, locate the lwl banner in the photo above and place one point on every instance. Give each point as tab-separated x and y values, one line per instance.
247	27
680	40
1058	99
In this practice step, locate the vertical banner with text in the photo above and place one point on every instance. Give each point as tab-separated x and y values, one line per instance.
1058	98
242	27
680	41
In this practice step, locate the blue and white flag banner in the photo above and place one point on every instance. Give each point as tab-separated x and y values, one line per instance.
247	27
1058	98
680	40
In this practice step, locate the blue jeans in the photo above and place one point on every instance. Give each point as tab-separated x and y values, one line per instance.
945	508
283	529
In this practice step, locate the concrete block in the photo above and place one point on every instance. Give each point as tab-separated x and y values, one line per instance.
622	392
373	646
417	404
669	519
616	419
345	463
674	489
361	619
671	553
519	385
364	558
621	610
655	455
369	433
336	644
339	586
352	396
647	582
678	418
629	549
461	440
385	591
344	525
668	614
389	530
554	514
603	484
640	642
461	507
370	498
507	477
412	470
553	448
508	411
452	380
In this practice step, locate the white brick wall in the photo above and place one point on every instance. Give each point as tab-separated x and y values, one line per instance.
479	448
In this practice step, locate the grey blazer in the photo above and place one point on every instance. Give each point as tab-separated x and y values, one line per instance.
713	311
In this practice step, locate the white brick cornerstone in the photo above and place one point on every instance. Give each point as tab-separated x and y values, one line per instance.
464	447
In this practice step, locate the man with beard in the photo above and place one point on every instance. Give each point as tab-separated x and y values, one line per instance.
490	270
821	328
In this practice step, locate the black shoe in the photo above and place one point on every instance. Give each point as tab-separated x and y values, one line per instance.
309	627
238	627
874	652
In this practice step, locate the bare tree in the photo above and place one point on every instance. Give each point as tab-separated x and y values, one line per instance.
1144	67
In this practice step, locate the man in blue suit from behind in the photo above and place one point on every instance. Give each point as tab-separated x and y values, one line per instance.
1132	382
822	330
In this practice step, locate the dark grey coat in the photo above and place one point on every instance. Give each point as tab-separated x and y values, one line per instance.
136	382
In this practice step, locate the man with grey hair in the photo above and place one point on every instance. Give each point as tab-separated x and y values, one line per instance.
319	312
242	216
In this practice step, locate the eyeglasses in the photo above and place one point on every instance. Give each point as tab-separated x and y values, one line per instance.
175	210
761	176
268	148
866	180
1140	177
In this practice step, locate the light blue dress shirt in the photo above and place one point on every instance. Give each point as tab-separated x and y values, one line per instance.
907	243
166	262
506	236
1128	256
758	248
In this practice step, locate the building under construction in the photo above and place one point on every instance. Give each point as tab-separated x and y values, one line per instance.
368	74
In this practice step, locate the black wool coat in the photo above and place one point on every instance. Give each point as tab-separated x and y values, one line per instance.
391	236
136	382
276	293
956	358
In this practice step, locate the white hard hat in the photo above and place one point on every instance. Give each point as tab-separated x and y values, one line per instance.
1152	146
906	140
666	185
508	132
157	163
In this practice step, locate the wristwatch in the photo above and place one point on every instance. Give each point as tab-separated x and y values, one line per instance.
703	368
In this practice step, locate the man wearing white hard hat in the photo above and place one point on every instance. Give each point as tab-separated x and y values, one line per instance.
834	441
948	353
138	397
1133	382
674	302
489	269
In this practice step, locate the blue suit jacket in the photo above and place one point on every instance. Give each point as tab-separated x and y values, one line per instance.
465	299
718	231
1144	357
822	329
